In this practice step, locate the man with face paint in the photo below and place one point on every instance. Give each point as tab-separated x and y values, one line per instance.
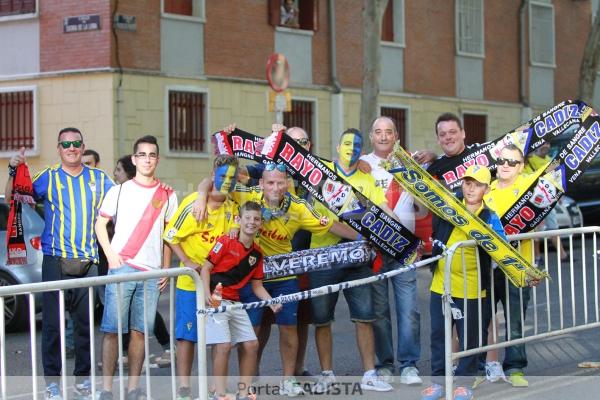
192	241
359	298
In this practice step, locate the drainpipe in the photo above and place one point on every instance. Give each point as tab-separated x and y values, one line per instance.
337	88
337	98
523	98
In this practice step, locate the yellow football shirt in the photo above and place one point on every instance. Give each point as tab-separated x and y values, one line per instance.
277	232
460	280
197	238
501	199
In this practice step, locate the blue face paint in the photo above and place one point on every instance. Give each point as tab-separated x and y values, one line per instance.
349	149
225	178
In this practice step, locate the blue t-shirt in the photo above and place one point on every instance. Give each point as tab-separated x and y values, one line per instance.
70	208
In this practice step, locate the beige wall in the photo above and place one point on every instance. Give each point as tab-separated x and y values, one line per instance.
89	102
81	101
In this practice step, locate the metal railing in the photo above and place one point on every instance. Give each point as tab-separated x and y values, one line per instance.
31	289
565	287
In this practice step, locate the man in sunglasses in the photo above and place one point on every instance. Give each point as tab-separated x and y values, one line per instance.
72	193
511	183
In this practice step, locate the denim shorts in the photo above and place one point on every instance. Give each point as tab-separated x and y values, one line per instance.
131	298
358	298
185	315
289	312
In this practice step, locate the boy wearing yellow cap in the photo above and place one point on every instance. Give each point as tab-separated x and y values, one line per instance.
465	285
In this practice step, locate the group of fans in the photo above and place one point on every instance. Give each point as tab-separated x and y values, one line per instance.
239	215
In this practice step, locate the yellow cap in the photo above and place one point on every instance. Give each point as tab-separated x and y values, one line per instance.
480	173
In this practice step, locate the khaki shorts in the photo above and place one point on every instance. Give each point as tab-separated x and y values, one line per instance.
231	326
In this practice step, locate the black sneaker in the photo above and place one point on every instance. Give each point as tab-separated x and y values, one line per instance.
137	394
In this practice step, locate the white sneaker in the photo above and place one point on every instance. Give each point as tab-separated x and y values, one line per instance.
291	387
410	376
325	382
370	381
385	374
494	371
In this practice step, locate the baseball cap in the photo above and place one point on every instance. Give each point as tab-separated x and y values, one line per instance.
480	173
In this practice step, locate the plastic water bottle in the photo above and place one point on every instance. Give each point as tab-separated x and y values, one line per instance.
217	295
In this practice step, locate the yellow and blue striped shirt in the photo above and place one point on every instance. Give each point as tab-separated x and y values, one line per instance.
70	208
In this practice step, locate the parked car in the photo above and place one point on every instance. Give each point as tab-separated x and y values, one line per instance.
16	308
568	214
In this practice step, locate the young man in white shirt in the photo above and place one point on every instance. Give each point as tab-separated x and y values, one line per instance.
140	209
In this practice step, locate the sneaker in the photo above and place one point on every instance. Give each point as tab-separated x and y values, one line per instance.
83	390
325	382
462	393
370	381
136	394
385	374
410	376
517	379
184	393
433	392
53	392
164	360
291	387
494	371
104	395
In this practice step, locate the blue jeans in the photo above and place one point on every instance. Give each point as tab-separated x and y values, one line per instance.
132	303
408	318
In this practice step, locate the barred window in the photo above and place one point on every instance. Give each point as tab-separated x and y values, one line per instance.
475	126
469	27
398	115
16	7
302	115
17	120
541	33
187	121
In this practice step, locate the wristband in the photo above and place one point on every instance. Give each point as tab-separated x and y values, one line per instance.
359	237
12	171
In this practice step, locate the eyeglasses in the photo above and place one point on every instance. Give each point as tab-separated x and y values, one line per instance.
67	143
273	166
151	156
511	163
302	141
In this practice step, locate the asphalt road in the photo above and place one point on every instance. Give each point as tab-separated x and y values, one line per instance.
552	370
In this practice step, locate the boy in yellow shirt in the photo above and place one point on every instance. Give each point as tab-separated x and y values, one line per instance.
466	287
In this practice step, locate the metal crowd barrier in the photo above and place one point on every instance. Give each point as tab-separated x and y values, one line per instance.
31	289
580	281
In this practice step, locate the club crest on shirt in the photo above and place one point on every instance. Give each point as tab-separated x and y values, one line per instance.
92	186
217	247
324	221
252	260
157	203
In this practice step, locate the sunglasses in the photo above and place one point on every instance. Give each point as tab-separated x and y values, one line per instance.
273	166
302	142
511	163
67	143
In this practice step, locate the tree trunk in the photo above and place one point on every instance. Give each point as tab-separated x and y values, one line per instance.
589	63
372	15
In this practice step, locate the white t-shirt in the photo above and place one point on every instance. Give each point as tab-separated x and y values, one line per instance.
404	203
139	222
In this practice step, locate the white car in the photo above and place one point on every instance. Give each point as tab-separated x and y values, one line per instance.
568	214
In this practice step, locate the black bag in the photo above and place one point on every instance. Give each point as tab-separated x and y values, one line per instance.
74	266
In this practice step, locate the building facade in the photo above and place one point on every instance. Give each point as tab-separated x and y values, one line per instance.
182	69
